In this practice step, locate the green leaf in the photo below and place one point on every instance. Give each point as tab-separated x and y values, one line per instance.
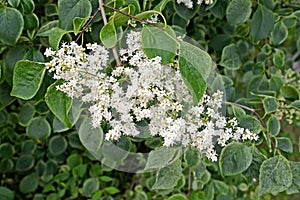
270	104
296	104
28	6
230	57
238	11
24	163
279	33
289	92
295	186
59	104
161	5
235	158
38	128
6	193
177	197
27	79
90	186
273	125
108	35
121	19
78	24
28	184
46	28
6	150
90	137
69	9
26	114
162	157
278	58
262	23
6	165
192	156
167	177
11	23
55	36
250	123
158	42
14	3
275	175
31	21
112	190
57	145
285	144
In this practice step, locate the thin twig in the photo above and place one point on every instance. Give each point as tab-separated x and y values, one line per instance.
133	17
253	111
86	25
114	50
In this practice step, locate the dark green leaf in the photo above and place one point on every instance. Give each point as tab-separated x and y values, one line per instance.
90	186
31	21
275	175
167	177
158	42
11	23
24	163
28	6
235	158
238	11
250	123
27	79
108	35
192	156
6	193
38	128
278	58
69	9
14	3
296	104
6	150
26	114
273	125
231	58
57	145
279	33
184	12
289	92
262	23
285	144
59	103
28	184
121	19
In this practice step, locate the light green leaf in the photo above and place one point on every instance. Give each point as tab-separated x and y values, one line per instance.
161	5
270	104
235	158
279	33
38	128
262	23
14	3
108	35
59	103
27	79
121	19
162	157
112	190
69	9
55	36
177	197
78	24
275	175
11	23
238	11
230	57
158	42
296	104
273	125
167	177
295	186
285	144
6	193
29	184
90	137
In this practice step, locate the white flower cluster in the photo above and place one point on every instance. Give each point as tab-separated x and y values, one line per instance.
142	90
189	3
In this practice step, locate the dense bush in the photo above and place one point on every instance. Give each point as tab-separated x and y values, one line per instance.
49	148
